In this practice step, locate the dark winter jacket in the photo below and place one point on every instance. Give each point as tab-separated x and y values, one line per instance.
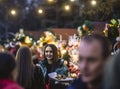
60	68
38	82
77	84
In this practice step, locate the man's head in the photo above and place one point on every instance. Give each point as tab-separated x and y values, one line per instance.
93	51
7	66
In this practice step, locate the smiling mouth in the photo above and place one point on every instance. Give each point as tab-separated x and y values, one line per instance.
49	56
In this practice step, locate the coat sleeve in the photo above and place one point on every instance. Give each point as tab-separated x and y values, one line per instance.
70	87
39	79
77	84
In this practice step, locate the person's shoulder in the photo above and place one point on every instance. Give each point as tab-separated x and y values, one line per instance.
9	84
43	61
60	61
77	84
41	64
14	86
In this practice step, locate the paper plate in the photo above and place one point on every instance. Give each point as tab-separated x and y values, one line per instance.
53	76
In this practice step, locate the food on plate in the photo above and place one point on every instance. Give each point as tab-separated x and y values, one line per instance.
60	77
73	75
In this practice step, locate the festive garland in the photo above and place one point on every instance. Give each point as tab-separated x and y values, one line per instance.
85	28
111	30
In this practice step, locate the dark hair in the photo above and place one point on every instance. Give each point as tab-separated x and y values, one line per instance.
55	52
24	67
112	73
7	65
16	49
44	43
105	44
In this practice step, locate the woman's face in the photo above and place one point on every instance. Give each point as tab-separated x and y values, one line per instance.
49	53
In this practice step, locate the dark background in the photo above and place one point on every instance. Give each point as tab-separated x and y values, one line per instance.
54	15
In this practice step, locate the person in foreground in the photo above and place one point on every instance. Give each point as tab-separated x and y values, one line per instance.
93	52
7	66
112	73
28	75
51	63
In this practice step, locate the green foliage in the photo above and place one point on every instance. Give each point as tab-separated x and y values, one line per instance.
85	28
113	30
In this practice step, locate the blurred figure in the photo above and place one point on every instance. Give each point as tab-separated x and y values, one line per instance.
16	49
2	49
51	63
93	52
112	73
7	68
28	75
13	48
34	55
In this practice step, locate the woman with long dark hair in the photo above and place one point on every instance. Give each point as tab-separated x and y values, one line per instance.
28	75
51	63
7	71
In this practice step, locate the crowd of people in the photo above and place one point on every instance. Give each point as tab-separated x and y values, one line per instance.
98	68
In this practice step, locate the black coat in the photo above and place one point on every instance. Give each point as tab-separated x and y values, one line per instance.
38	80
44	66
77	84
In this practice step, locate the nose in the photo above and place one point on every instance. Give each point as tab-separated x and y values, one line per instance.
48	53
